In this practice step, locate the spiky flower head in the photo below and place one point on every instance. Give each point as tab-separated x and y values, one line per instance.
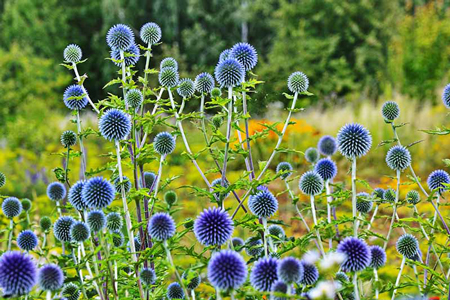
50	277
175	291
169	77
378	257
364	203
26	204
186	88
161	226
357	254
75	97
438	180
45	223
150	33
354	140
169	62
298	82
170	197
398	158
263	204
446	96
285	168
326	168
245	54
27	240
279	287
68	138
264	274
311	183
277	231
118	239
229	73
237	243
192	278
11	207
114	125
72	53
131	56
224	55
18	273
134	98
71	291
204	83
98	193
378	193
312	155
253	246
126	184
2	179
56	191
216	92
290	270
217	184
75	196
149	179
62	227
147	276
413	197
389	195
120	37
390	111
96	220
310	273
114	221
80	232
227	270
342	277
213	227
408	246
327	145
164	143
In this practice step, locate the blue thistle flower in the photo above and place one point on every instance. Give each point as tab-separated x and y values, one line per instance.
27	240
169	62
311	183
164	143
413	197
224	55
114	125
131	56
11	207
120	37
279	287
71	291
408	246
312	155
56	191
217	184
170	197
169	77
326	168
342	277
186	88
114	221
149	179
2	179
363	203
193	280
97	193
227	270
389	195
75	196
238	244
137	243
126	184
150	33
175	291
62	227
379	193
161	227
446	96
277	231
68	138
213	227
290	270
79	232
264	274
357	254
96	220
134	98
286	168
310	274
378	257
354	140
253	246
438	180
26	204
390	111
245	54
398	158
327	145
18	273
50	277
298	82
45	223
229	73
147	276
72	53
75	97
204	83
118	239
263	204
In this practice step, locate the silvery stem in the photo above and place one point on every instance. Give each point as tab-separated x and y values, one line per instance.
77	75
153	112
227	144
313	212
329	200
169	258
375	275
11	226
394	213
355	285
355	222
373	217
49	295
266	235
124	76
398	278
247	134
83	152
58	207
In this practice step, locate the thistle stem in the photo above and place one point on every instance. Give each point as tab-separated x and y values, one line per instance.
83	152
266	235
398	277
58	208
355	286
66	168
144	138
329	200
375	211
110	269
313	212
11	227
227	144
88	267
355	221
124	76
247	135
49	295
193	294
394	208
77	75
375	275
83	290
169	258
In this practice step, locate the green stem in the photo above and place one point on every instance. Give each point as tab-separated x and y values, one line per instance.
110	269
169	258
398	278
266	235
83	290
313	212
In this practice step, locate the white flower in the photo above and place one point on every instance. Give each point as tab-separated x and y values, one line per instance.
331	259
324	289
311	257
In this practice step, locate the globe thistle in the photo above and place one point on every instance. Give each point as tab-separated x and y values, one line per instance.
186	88
79	232
326	168
238	244
68	138
97	193
408	246
378	193
193	280
120	37
169	62
357	254
327	145
75	196
263	204
114	125
446	96
17	273
118	239
312	155
126	184
169	77
27	240
147	276
217	184
438	180
224	55
342	277
164	143
389	195
114	221
62	227
96	220
216	92
175	291
2	179
72	53
134	98
56	191
264	274
390	111
161	227
75	97
71	291
150	33
413	197
131	56
277	231
229	73
378	257
253	246
363	203
398	158
204	83
285	168
149	179
137	243
170	197
298	82
45	223
354	140
26	204
50	277
213	227
245	54
311	183
310	273
11	207
227	270
290	270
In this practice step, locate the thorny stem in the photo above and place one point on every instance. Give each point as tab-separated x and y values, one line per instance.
394	213
66	167
77	75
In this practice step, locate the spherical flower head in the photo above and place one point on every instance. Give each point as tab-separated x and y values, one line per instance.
390	111
75	196
224	55
137	243
97	193
437	180
279	287
229	73
298	82
327	145
161	226
277	231
285	168
11	207
147	276
134	98
312	155
170	197
227	270
169	62
72	53
126	184
342	277
96	220
175	291
18	273
446	96
398	158
192	278
311	183
204	83
290	270
26	204
354	140
50	277
186	88
217	184
131	56
68	138
378	257
408	246
80	231
253	246
75	97
363	203
413	197
326	168
264	274
114	221
149	179
120	37
310	273
27	240
389	195
56	191
245	54
378	193
118	239
216	92
238	244
263	204
62	227
45	223
150	33
164	143
213	227
114	125
2	179
357	254
71	291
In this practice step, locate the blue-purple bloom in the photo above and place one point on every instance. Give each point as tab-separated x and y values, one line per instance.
398	158
131	56
229	73
98	193
311	183
290	270
204	83
298	82
263	204
164	143
446	96
378	257
11	207
354	140
120	37
150	33
357	254
27	240
75	197
56	191
61	228
50	277
264	274
161	226
438	180
310	273
245	54
227	270
213	227
114	125
75	97
326	168
327	145
18	273
96	220
175	291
